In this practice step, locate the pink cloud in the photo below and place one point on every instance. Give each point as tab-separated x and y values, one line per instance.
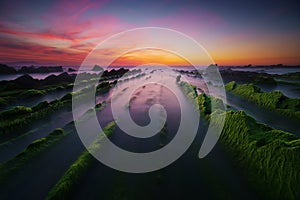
20	52
71	34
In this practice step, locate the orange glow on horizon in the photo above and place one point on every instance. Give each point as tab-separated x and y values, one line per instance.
146	56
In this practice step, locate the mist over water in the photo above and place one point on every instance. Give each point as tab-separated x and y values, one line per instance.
268	70
186	177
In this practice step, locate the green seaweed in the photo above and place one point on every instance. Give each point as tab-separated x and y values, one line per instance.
103	87
32	93
269	158
178	78
16	111
274	100
32	150
204	103
264	79
289	76
188	89
76	171
19	117
4	101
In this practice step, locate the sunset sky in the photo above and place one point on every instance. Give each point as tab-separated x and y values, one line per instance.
64	32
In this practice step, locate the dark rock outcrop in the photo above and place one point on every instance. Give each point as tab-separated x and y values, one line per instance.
42	69
4	69
26	81
97	68
71	69
59	79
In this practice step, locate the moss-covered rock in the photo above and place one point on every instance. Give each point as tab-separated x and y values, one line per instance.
32	93
264	79
188	89
274	100
58	131
289	76
72	176
37	143
9	167
3	101
15	112
20	117
269	158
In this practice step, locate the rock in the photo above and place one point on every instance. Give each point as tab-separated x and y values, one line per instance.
26	81
40	106
71	70
58	131
114	72
61	78
42	69
4	69
97	68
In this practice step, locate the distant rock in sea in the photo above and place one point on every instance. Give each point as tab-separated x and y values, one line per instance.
61	78
4	69
114	72
26	81
97	68
42	69
71	69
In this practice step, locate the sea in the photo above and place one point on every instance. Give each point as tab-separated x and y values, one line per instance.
268	70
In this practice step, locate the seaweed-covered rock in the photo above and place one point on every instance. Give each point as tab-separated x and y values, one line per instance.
58	131
37	143
40	106
16	111
289	76
67	97
265	80
269	158
32	93
274	100
3	101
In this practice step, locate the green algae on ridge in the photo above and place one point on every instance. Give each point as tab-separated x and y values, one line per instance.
32	150
20	117
269	158
72	176
272	100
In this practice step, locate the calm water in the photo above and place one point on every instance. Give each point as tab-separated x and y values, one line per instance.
214	177
275	70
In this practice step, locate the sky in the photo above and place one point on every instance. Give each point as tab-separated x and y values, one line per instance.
62	32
